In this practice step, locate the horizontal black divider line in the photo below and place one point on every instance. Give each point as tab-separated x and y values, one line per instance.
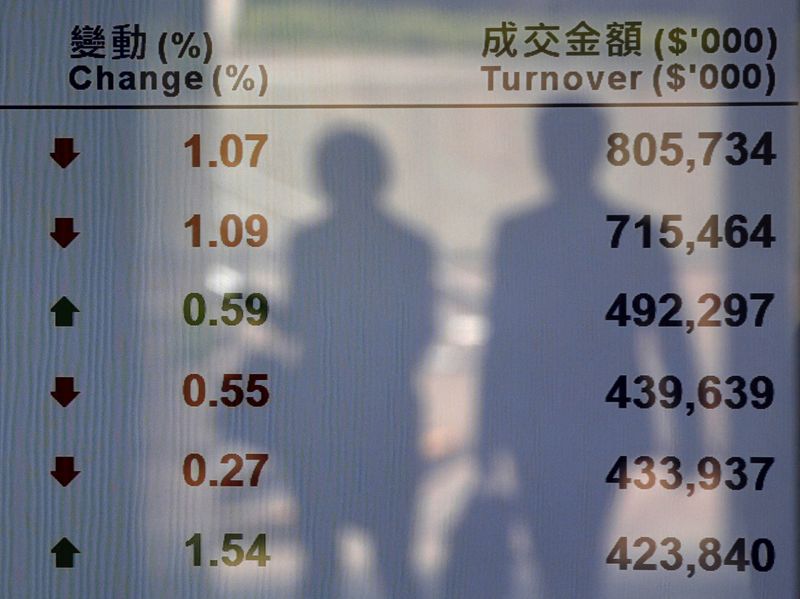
399	106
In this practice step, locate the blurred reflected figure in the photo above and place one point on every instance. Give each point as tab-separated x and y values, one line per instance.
551	359
362	301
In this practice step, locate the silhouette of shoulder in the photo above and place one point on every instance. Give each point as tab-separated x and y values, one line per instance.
522	227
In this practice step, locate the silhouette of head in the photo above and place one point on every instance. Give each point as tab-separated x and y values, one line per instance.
571	146
352	169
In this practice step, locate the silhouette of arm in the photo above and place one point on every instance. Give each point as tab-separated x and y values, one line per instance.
498	389
676	351
422	308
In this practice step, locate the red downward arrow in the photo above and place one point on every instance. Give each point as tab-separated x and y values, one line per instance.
65	471
64	231
64	151
64	392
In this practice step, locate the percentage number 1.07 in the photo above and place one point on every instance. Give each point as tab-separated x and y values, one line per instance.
232	150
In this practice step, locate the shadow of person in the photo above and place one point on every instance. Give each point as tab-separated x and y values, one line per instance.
362	301
552	357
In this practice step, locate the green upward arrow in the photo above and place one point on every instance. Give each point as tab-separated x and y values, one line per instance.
64	311
65	553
